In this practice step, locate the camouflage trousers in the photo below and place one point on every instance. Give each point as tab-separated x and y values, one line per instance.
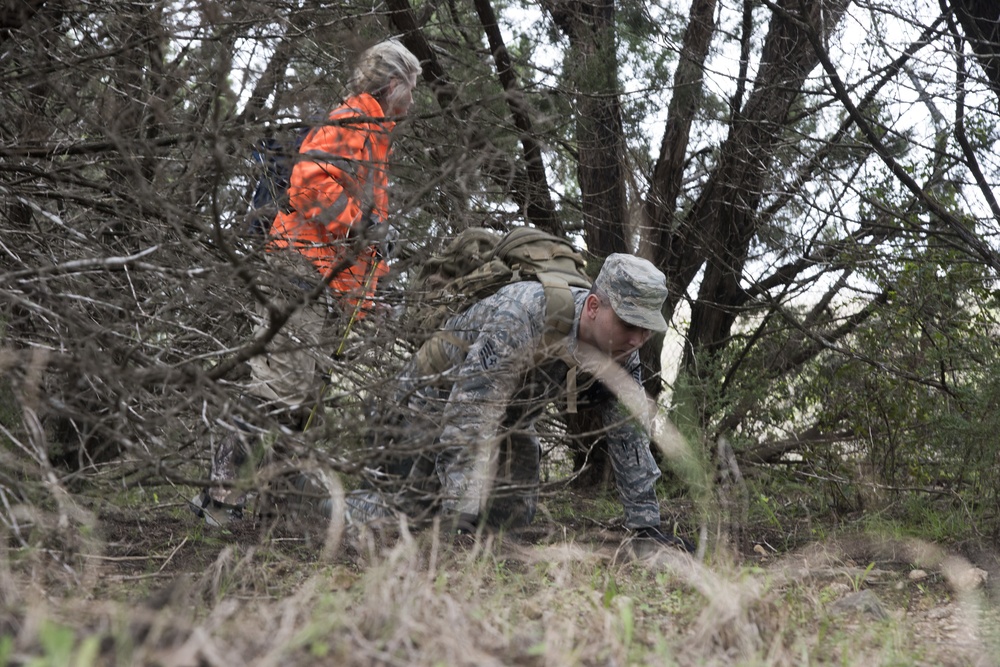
501	481
432	481
447	483
498	480
231	459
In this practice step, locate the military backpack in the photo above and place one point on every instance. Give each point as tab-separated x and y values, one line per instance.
478	262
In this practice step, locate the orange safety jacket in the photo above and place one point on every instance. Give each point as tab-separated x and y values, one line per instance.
339	178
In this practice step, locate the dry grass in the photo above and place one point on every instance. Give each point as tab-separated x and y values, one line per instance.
158	589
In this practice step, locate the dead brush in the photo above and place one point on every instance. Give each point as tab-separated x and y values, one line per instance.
969	637
49	539
737	616
40	520
422	600
417	600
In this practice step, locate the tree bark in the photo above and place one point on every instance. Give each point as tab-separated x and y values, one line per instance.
665	186
539	207
716	233
980	20
592	68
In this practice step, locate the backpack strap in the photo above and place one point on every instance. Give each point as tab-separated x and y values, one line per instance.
560	307
560	312
431	358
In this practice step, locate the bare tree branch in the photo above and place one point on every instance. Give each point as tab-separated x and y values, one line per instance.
540	209
973	243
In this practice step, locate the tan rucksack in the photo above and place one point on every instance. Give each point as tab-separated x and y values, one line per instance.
477	263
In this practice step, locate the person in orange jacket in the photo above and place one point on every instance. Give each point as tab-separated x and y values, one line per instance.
339	182
337	192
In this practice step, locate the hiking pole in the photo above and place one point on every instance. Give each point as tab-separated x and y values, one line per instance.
357	307
366	226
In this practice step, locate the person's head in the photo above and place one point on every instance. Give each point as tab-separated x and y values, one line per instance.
624	307
388	72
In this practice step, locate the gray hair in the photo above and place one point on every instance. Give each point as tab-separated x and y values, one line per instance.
379	65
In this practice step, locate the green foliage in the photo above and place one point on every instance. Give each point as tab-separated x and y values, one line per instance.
610	591
765	506
59	647
858	580
937	519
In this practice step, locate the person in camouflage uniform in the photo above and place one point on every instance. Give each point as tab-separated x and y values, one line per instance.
461	441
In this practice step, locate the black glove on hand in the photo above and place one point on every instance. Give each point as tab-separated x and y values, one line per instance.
655	534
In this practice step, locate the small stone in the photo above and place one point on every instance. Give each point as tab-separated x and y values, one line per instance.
837	589
970	578
532	610
917	575
862	601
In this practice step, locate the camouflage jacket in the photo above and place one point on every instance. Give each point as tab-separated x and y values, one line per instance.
498	379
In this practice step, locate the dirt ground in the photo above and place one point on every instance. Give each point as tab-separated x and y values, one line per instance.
950	596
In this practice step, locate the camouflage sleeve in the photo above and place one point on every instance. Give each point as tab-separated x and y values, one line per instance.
635	468
484	385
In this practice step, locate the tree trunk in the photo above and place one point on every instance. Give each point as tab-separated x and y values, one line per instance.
716	232
659	212
980	20
592	68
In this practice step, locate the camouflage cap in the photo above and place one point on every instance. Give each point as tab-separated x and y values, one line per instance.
636	290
